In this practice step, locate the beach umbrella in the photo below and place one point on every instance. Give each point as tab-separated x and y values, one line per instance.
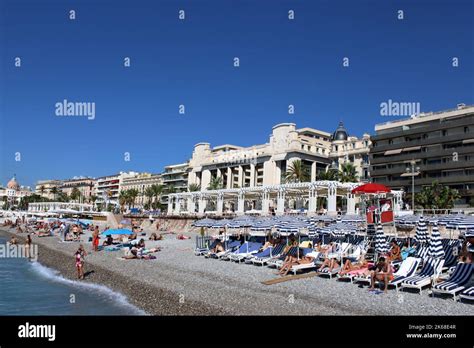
435	249
371	188
117	231
421	235
380	241
125	222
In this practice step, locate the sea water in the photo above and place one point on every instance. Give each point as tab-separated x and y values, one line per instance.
29	288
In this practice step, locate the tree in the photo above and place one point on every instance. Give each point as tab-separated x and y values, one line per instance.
297	172
436	196
158	192
75	194
132	196
42	189
54	191
194	188
93	198
123	199
348	173
330	174
149	193
215	183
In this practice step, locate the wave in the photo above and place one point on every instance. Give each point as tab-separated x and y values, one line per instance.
116	297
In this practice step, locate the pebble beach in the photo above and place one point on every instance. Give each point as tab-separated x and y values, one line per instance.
179	283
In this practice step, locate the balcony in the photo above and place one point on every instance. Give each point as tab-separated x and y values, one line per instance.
424	168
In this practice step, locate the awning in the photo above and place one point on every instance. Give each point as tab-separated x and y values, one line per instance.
279	157
411	148
468	141
393	152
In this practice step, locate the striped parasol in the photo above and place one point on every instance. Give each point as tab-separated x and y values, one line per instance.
436	248
380	241
421	235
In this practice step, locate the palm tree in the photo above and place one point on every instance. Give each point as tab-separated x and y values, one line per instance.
150	193
297	172
54	191
123	199
132	196
194	188
215	184
158	191
75	194
330	174
348	173
42	189
437	196
93	198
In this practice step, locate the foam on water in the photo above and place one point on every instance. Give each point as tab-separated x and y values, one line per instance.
101	290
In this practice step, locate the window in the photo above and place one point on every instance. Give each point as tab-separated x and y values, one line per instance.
466	129
444	132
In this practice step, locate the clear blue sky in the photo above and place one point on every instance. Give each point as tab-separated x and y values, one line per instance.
191	62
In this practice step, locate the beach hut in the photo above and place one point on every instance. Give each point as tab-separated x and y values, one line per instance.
436	248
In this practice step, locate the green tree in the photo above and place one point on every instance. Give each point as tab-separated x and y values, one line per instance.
149	193
297	172
436	196
330	174
123	199
54	191
75	194
42	189
215	183
132	196
348	173
194	188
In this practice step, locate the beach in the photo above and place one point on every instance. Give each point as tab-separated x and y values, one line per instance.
179	283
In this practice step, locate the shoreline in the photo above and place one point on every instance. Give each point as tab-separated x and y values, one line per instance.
153	300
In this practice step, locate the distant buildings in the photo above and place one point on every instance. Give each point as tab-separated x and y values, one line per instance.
142	182
48	188
13	192
108	188
440	145
84	186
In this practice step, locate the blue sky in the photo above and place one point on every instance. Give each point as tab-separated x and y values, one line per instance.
190	62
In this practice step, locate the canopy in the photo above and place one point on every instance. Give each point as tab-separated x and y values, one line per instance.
371	188
117	231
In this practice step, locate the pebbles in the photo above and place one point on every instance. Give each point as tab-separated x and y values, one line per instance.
179	283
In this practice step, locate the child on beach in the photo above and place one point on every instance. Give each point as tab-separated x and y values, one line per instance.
95	239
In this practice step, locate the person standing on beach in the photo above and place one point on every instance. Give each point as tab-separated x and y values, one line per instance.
95	239
28	243
79	257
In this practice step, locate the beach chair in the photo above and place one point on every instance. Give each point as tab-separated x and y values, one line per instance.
430	270
468	294
461	276
325	272
198	251
251	248
274	254
277	262
262	254
310	265
407	269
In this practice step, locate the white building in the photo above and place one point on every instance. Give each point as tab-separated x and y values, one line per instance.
141	183
108	188
13	192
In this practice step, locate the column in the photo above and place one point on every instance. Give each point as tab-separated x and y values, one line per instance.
220	203
177	206
313	201
205	179
281	202
190	205
241	203
313	172
350	203
170	205
202	204
241	176
230	177
252	175
265	202
332	190
397	202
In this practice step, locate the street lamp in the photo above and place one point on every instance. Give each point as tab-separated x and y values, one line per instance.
412	171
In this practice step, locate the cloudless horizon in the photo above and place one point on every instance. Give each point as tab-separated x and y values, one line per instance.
190	62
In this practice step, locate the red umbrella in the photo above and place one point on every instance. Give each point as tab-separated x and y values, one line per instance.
371	188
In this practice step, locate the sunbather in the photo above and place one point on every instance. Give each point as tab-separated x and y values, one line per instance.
383	273
218	248
292	261
394	254
350	266
155	236
329	263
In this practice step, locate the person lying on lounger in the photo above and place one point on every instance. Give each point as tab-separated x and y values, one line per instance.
108	241
293	261
353	266
218	248
330	264
155	236
382	273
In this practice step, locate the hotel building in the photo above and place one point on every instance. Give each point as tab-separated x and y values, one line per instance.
241	169
46	188
13	192
141	183
440	145
86	187
108	187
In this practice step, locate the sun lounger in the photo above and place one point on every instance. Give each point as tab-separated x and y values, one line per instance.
262	254
275	253
407	269
277	262
330	273
468	294
431	269
457	281
251	248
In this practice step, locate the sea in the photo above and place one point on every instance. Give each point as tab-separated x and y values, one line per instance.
29	288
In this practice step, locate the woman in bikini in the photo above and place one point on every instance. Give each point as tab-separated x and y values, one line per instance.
293	261
349	266
95	239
